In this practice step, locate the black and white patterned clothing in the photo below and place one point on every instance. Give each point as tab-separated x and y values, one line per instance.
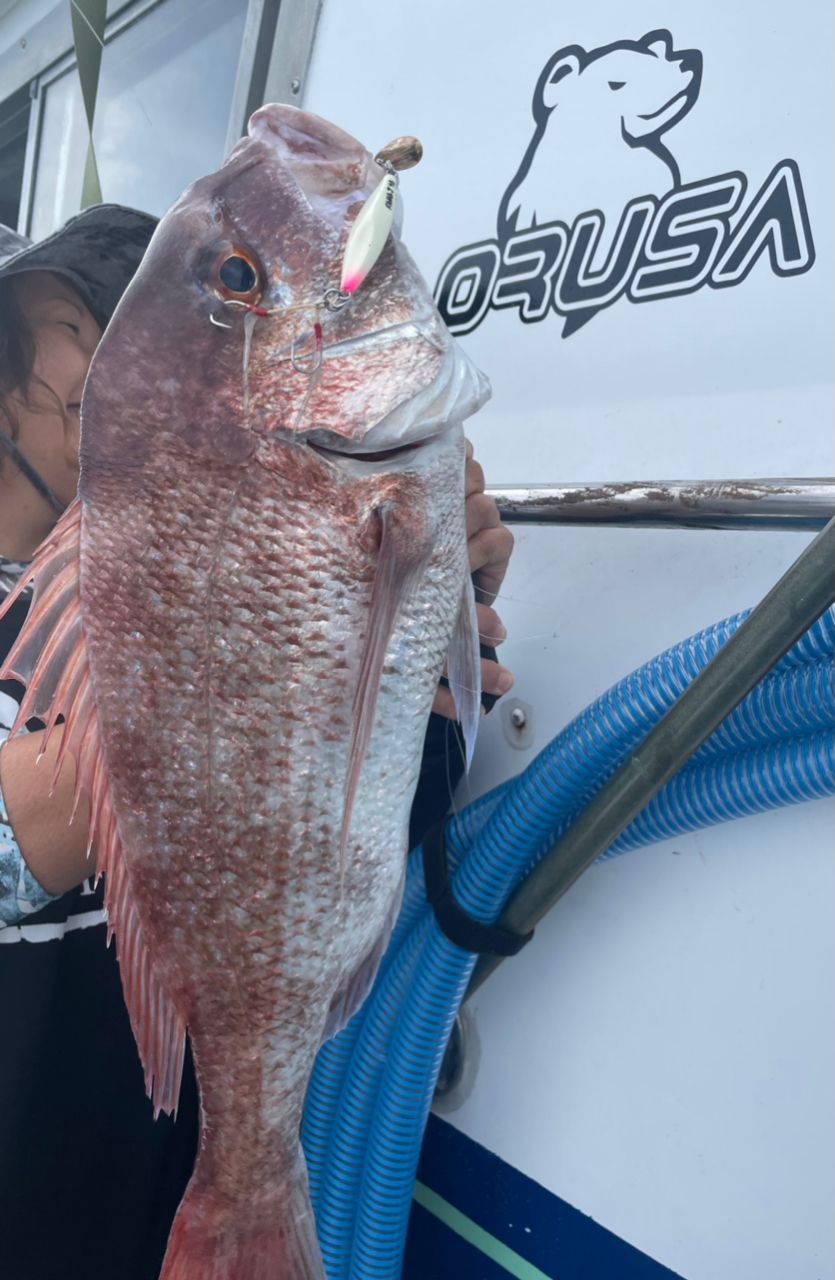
88	1181
10	571
20	893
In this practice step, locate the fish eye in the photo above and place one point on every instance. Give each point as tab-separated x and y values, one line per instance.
238	276
616	84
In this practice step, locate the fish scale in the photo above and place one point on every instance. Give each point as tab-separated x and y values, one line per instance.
256	751
243	620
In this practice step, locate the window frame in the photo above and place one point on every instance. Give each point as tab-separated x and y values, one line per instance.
273	60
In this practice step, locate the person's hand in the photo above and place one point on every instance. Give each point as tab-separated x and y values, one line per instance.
489	544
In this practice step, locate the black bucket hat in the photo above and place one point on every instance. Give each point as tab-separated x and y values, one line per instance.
98	251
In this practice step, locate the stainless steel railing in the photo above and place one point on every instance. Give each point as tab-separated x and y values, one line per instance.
790	504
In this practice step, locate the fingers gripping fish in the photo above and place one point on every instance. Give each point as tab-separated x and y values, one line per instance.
242	621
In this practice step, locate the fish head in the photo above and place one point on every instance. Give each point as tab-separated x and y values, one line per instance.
234	337
234	366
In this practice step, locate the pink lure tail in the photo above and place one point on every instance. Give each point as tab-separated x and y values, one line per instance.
214	1238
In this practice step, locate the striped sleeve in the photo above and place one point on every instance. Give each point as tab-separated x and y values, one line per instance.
20	893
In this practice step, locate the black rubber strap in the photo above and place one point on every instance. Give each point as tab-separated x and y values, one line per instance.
453	921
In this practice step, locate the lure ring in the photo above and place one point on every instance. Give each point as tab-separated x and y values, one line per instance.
334	299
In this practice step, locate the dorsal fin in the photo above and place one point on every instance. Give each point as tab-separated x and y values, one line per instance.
50	658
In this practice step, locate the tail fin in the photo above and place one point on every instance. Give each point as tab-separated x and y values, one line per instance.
215	1239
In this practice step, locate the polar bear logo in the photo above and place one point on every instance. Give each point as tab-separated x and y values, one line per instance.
597	210
600	118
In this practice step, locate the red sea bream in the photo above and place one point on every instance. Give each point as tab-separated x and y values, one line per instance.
243	620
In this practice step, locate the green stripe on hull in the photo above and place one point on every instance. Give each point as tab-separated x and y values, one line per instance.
513	1262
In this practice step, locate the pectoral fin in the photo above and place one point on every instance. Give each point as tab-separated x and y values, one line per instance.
398	565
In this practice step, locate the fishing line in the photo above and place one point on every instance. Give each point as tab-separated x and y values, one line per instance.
500	595
541	635
331	299
495	641
465	687
250	321
464	783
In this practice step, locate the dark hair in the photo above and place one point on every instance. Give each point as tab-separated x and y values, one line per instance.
17	377
17	356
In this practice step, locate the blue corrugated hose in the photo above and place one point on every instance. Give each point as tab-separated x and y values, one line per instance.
372	1086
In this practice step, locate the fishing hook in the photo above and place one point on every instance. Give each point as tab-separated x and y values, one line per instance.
306	365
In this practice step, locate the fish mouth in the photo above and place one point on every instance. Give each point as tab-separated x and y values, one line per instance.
377	455
356	458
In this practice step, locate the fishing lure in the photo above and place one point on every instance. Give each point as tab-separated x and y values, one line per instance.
374	222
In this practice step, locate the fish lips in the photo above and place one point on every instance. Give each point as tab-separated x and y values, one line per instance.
457	392
359	462
403	434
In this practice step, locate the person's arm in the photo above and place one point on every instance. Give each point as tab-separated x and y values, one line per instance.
54	850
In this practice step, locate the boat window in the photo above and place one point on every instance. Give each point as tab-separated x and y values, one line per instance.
14	124
162	111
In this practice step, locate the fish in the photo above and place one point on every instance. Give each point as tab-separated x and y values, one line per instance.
242	620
